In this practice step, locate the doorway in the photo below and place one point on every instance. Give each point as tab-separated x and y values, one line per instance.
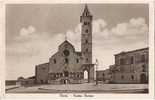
65	81
143	79
85	75
66	73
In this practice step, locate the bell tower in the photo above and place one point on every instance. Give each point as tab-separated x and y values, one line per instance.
86	35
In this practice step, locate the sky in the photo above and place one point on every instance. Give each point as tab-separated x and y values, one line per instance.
34	32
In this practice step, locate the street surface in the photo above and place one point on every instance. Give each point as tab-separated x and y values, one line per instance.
86	87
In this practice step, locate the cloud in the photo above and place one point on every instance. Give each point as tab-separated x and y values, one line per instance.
133	27
135	30
28	49
74	36
31	47
99	25
27	31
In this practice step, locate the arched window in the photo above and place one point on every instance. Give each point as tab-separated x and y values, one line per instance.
86	31
85	74
86	59
132	77
132	60
103	74
85	23
86	41
61	74
78	75
143	68
66	60
77	60
87	50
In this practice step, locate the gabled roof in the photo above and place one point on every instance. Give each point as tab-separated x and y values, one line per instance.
66	43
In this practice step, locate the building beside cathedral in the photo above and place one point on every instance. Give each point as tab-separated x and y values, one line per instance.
68	65
130	67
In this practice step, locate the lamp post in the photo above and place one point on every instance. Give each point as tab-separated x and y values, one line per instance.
96	71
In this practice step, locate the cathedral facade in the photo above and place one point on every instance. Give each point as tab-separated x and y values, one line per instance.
67	65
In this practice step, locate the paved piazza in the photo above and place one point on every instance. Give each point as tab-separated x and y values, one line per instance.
87	87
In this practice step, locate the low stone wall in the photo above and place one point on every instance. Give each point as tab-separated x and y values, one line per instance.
67	81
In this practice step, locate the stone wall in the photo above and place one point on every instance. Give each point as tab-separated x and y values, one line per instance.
41	74
104	75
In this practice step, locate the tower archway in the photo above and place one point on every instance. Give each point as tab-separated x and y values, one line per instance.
86	75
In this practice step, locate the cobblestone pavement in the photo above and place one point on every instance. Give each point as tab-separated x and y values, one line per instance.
86	87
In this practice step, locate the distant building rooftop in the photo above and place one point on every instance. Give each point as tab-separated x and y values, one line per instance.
124	52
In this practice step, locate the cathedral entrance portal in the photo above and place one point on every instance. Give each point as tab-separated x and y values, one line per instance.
65	81
66	73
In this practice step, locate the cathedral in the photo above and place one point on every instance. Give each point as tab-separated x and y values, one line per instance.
67	65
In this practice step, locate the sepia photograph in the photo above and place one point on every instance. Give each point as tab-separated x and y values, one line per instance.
77	48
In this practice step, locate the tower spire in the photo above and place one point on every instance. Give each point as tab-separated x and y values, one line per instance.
86	11
86	7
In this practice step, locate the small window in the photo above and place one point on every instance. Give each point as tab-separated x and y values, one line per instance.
86	31
87	50
122	61
86	41
122	77
66	60
54	60
78	75
85	23
86	59
77	60
132	77
143	68
61	74
132	60
142	58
